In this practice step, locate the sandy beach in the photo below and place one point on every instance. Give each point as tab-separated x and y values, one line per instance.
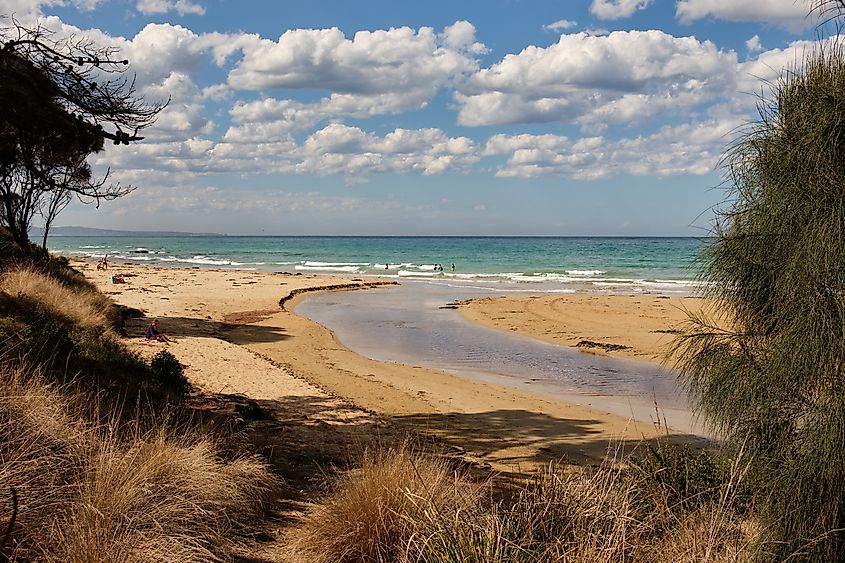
640	327
234	338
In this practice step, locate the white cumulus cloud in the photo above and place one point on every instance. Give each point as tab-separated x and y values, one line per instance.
793	15
753	45
373	73
182	7
588	79
692	148
560	25
26	11
617	9
341	149
371	62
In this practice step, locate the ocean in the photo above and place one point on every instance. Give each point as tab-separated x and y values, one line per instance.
535	264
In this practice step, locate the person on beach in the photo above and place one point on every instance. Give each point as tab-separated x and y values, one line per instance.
104	263
154	334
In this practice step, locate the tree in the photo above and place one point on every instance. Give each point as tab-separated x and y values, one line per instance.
775	380
60	100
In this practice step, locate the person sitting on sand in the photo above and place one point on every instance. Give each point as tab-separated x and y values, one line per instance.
153	333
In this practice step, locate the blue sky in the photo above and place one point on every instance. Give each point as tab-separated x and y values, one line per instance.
502	117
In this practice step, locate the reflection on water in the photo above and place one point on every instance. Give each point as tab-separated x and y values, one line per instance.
408	324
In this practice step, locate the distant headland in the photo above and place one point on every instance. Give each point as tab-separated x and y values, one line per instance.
92	232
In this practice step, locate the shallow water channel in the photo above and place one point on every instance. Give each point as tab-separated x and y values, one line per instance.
413	324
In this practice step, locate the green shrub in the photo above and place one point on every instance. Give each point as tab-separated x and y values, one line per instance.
105	348
35	335
169	374
690	477
12	331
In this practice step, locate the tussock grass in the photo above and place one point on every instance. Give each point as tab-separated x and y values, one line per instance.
159	498
390	510
85	309
111	491
373	512
559	516
708	534
591	515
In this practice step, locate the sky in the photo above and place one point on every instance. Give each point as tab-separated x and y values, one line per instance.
456	117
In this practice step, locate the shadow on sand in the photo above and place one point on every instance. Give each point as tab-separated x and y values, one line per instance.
175	327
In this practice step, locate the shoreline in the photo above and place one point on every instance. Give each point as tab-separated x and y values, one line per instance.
228	324
504	264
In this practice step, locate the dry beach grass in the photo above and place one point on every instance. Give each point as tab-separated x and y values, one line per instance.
85	308
401	506
91	483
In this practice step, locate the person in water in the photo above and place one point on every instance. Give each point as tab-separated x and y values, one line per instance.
453	266
153	333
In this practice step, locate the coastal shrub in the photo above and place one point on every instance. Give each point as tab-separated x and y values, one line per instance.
12	334
168	373
30	333
107	349
12	253
775	267
66	329
557	516
35	330
48	341
688	477
598	514
91	491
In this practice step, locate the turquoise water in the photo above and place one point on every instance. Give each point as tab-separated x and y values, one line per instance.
509	263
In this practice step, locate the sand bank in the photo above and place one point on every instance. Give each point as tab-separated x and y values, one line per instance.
234	337
641	327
